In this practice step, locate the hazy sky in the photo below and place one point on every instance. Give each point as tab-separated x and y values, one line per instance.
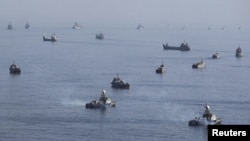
210	12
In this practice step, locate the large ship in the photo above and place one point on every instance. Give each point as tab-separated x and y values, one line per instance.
183	47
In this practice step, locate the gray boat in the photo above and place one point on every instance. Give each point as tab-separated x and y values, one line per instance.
53	38
215	55
119	83
27	25
10	27
199	65
183	47
101	103
14	69
76	26
208	118
161	69
99	36
238	52
139	27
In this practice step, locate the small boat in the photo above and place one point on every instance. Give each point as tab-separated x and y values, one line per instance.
161	69
215	55
99	36
101	103
53	38
10	27
76	26
117	82
238	52
208	118
183	47
199	65
27	26
14	69
139	27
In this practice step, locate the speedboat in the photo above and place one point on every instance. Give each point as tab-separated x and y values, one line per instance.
238	52
14	69
10	27
208	118
215	55
27	26
183	47
53	38
117	82
139	27
76	26
101	103
160	69
199	65
99	36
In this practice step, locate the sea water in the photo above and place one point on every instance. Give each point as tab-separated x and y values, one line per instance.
47	100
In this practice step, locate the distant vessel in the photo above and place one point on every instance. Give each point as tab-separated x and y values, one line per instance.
238	52
53	38
14	69
183	47
208	118
139	27
99	36
27	26
160	69
117	82
101	103
76	26
215	55
199	65
10	27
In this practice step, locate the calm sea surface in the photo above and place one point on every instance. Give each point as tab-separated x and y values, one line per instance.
47	101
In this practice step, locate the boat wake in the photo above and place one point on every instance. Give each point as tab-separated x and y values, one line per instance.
74	102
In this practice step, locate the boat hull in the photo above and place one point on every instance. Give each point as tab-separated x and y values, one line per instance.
238	55
203	122
238	52
160	70
175	48
215	56
99	36
15	71
198	66
94	105
120	86
49	39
